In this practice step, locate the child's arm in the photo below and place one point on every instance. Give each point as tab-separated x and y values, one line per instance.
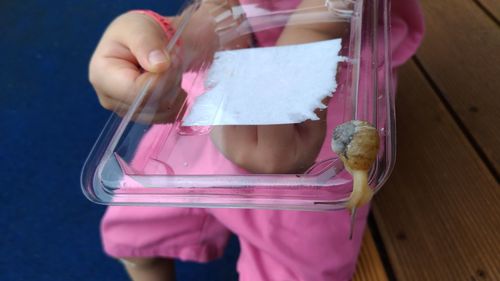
280	148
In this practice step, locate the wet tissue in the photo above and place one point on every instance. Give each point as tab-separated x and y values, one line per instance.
271	85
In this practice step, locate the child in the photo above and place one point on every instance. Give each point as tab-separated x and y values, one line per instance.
275	245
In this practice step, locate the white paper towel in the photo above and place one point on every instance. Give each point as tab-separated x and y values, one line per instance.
273	85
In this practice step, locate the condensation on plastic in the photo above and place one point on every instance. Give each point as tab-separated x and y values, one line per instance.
364	92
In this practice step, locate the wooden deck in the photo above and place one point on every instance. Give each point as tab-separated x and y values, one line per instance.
438	217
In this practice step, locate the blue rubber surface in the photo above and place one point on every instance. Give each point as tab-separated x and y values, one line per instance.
49	120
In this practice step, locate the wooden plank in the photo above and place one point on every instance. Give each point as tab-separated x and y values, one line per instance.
439	214
461	54
369	267
492	6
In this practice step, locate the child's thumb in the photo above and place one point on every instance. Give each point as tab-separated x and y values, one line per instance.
149	50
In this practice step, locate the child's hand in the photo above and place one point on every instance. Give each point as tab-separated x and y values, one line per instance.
131	50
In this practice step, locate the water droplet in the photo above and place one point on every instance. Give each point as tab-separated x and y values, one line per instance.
382	131
193	130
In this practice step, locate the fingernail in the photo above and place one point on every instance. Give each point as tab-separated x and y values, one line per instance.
157	57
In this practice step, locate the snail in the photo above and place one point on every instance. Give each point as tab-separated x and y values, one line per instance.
357	143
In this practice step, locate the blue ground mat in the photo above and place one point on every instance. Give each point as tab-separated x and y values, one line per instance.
49	119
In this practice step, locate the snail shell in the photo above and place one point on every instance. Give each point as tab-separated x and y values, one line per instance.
357	143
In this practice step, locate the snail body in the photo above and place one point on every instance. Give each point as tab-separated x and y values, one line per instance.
357	143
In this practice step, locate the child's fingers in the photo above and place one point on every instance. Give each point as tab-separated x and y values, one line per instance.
112	79
134	43
146	41
164	97
114	105
164	112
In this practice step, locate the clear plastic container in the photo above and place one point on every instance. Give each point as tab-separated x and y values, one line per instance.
165	149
